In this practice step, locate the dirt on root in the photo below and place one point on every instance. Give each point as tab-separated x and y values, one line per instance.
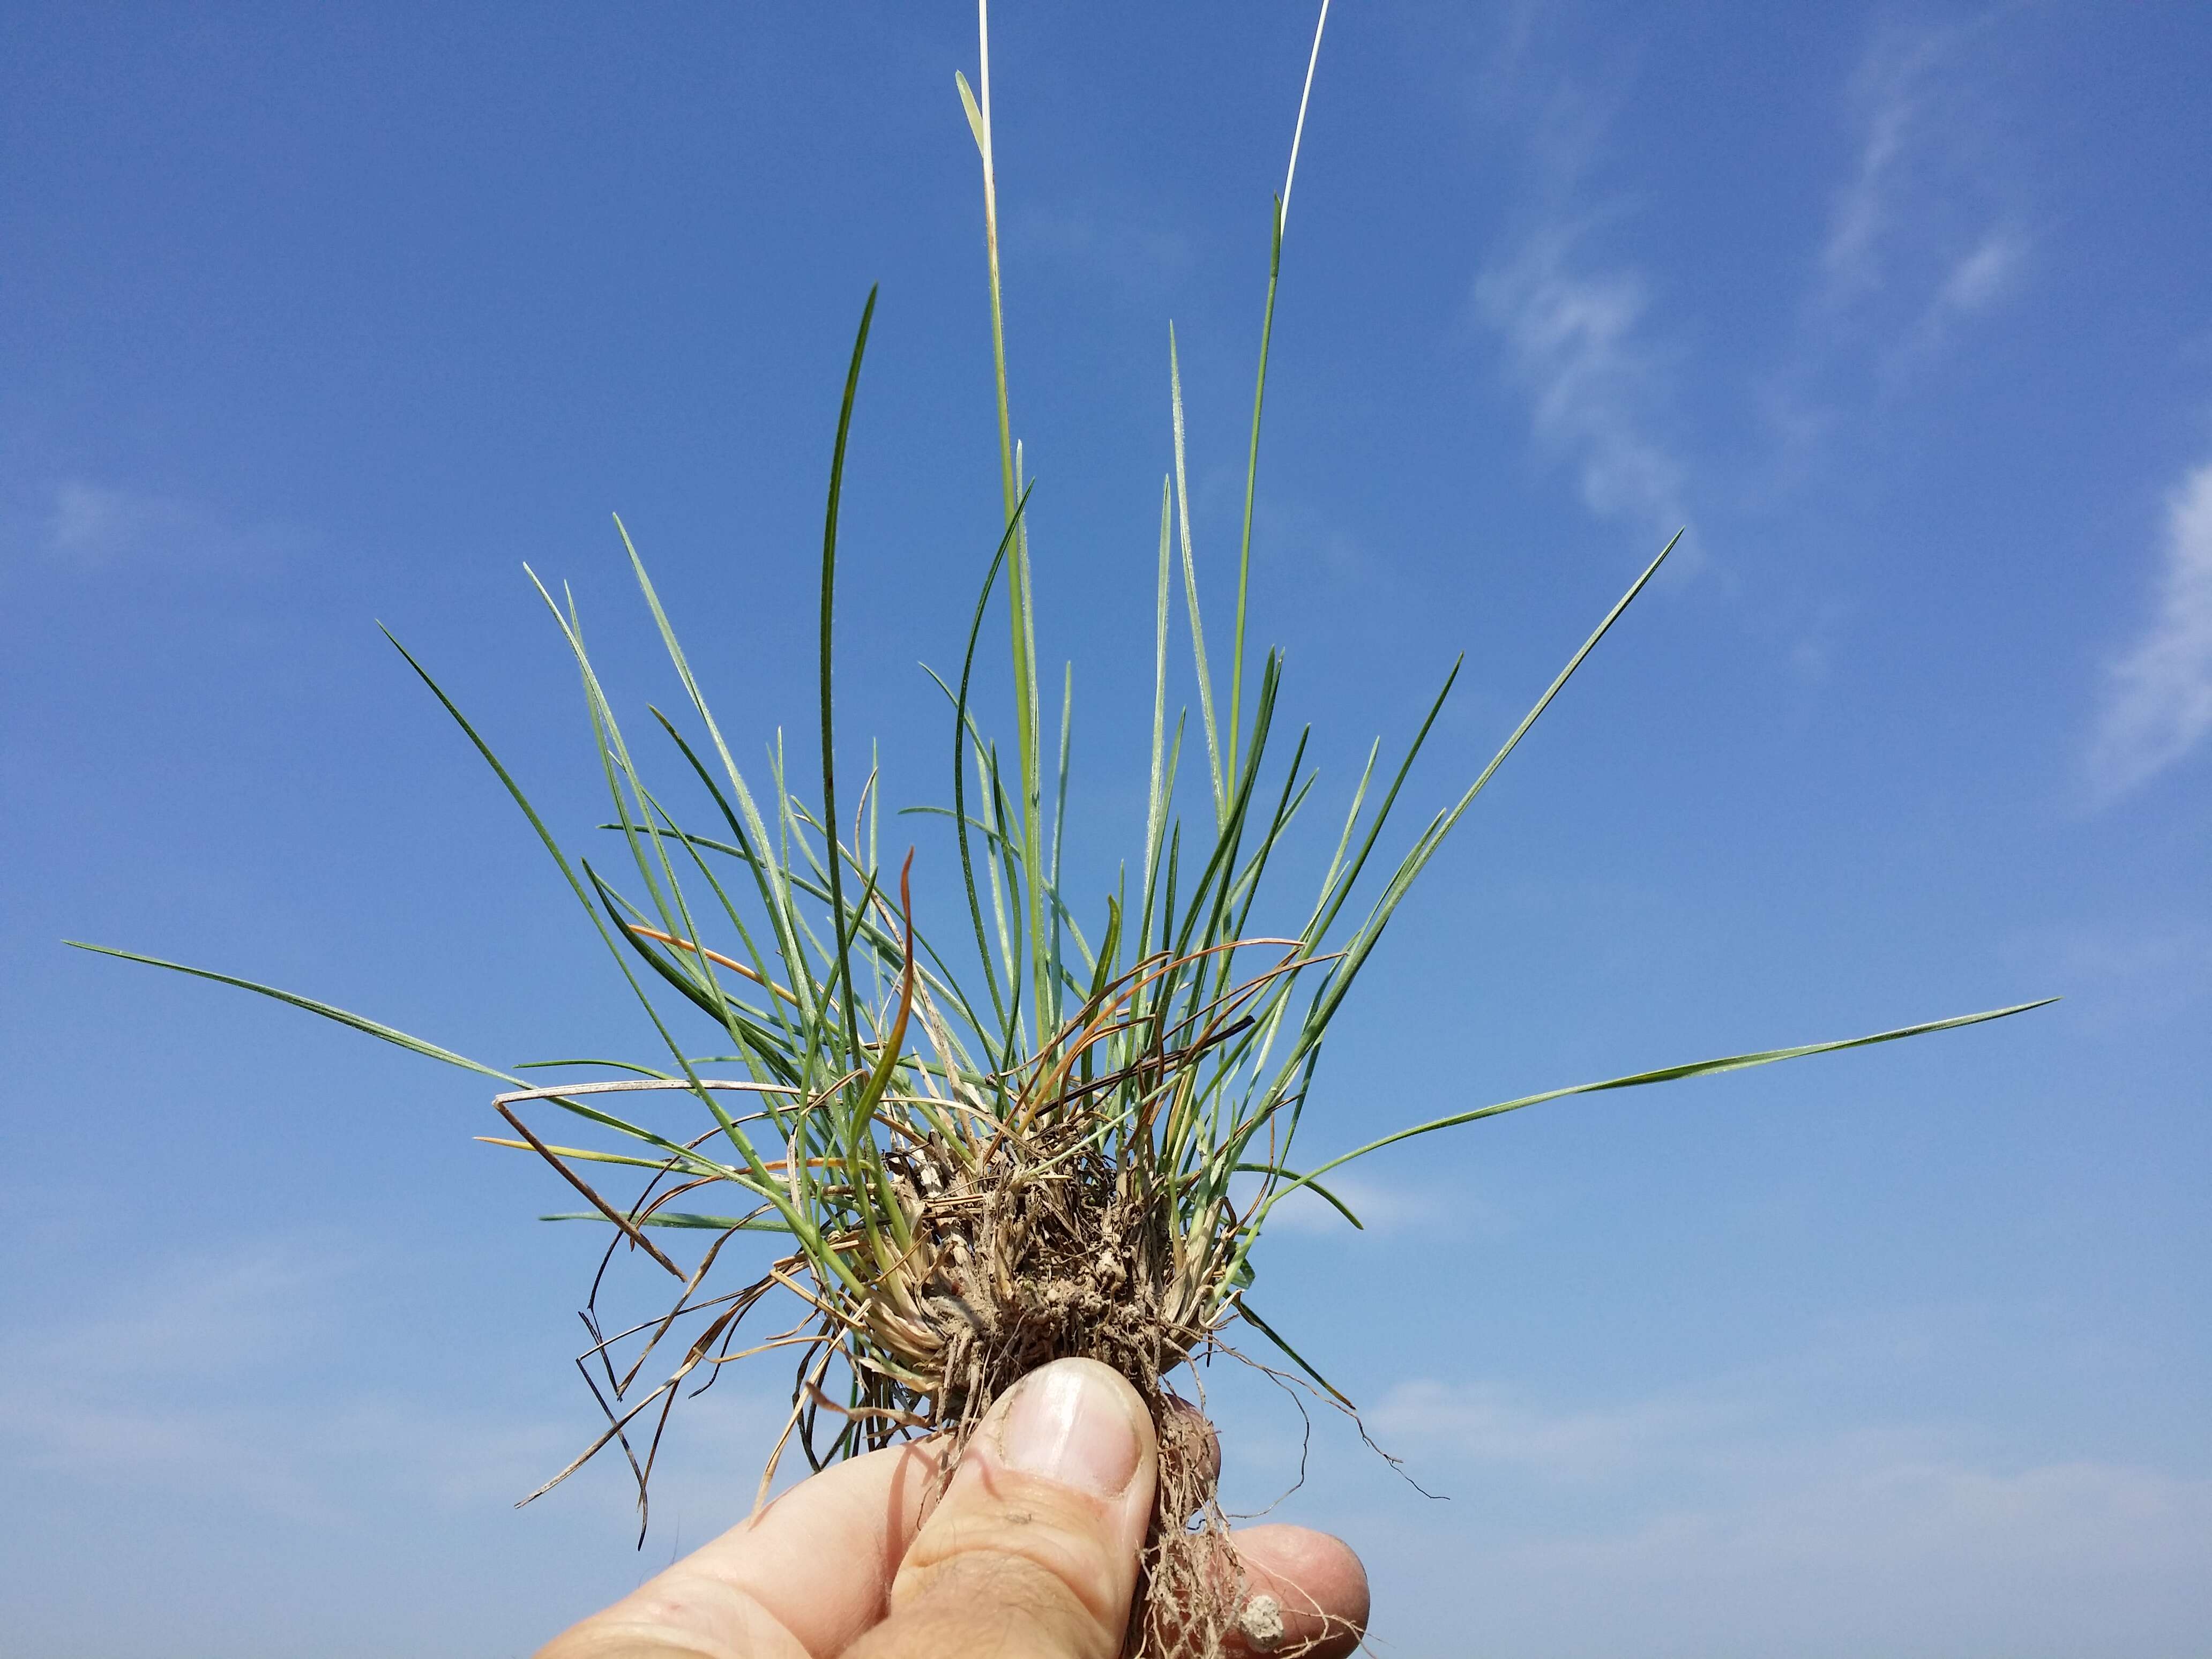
1057	1253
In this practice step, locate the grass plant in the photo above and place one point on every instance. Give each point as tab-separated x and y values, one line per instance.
1032	1127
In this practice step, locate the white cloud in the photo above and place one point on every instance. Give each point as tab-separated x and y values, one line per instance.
1983	275
93	525
1488	1423
160	1388
1889	94
1574	344
1856	1551
2121	974
1976	280
96	526
2157	696
117	1391
1143	259
1924	233
1384	1206
196	1316
1704	1523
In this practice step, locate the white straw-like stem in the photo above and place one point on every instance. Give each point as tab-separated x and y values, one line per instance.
631	1085
1296	132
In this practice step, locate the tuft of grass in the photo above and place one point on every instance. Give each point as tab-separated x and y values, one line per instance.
998	1139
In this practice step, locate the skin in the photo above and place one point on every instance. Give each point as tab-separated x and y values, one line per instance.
1032	1552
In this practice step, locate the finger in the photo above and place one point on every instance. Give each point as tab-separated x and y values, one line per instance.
798	1581
1187	1434
1306	1594
1034	1548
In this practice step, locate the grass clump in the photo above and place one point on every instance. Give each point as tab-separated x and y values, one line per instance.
997	1140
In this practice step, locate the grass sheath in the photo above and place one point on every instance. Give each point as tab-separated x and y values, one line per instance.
972	1154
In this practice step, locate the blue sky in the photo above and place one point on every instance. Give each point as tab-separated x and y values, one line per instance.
315	318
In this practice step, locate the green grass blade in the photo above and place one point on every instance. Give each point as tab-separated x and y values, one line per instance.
609	1065
544	835
1156	795
960	731
1268	1331
1564	675
1343	878
720	1223
328	1010
1053	908
828	729
974	115
769	878
1029	706
1252	458
1190	588
1315	1187
1664	1074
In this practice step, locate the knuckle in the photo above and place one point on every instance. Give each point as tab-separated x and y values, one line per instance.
674	1617
1006	1593
1056	1532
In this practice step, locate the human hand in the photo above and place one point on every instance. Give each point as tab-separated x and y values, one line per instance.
1032	1551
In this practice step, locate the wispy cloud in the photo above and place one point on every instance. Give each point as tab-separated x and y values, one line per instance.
1576	343
1710	1514
151	1389
121	1389
1855	1545
2122	973
1983	274
1889	96
206	1317
1927	235
162	1388
1488	1423
1978	279
1134	253
1580	339
96	526
1387	1206
2158	696
1921	228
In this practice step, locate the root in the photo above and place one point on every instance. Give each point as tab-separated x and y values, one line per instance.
1191	1584
1064	1256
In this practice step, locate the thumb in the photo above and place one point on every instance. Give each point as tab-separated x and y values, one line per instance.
1033	1549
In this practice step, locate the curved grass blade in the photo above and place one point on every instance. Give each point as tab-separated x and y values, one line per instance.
328	1010
959	753
829	737
720	1223
1244	1310
1637	1079
1190	590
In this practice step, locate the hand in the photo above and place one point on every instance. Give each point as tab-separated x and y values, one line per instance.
1032	1551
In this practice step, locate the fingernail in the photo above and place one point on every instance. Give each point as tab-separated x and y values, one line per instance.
1070	1423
